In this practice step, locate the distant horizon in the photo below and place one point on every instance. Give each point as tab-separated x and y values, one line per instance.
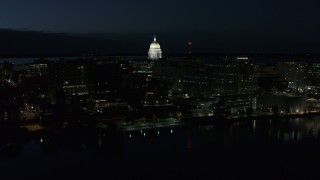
257	58
36	43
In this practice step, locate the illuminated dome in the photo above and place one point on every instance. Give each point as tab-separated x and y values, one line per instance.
155	44
154	50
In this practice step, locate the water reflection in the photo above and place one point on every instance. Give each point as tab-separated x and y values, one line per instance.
180	140
187	149
12	140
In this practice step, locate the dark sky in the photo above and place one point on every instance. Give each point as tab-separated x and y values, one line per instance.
287	25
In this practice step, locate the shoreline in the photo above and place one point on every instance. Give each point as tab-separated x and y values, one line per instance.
211	120
204	120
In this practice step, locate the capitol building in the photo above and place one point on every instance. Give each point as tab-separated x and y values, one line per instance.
154	50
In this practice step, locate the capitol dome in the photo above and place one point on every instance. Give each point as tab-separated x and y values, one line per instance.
155	50
155	44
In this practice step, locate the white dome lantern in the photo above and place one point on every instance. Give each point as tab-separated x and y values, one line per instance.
155	50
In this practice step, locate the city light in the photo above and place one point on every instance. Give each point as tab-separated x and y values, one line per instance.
87	86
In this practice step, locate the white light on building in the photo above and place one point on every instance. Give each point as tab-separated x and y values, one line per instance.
155	50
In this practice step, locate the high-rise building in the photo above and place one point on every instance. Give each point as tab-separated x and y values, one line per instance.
143	87
196	82
182	74
293	72
69	84
233	76
154	50
312	74
70	77
39	68
105	79
234	83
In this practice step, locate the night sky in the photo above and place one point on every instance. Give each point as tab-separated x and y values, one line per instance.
213	25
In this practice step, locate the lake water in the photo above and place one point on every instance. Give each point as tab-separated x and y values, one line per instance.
264	149
31	60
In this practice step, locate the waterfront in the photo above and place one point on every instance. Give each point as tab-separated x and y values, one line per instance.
258	149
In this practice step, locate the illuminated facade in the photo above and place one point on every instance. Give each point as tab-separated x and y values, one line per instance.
233	76
73	78
39	70
155	50
312	74
293	72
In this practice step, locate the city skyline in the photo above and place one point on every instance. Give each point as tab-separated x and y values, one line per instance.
182	89
34	43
